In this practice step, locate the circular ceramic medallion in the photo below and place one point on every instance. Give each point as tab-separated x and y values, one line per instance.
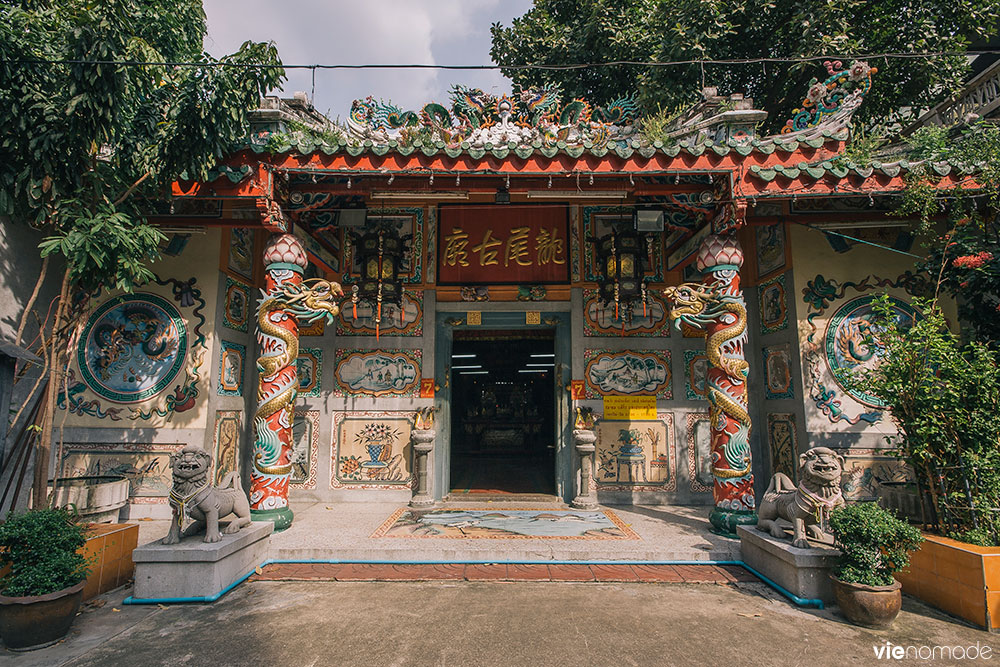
132	348
852	341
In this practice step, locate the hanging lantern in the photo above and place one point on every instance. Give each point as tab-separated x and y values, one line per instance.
380	253
621	261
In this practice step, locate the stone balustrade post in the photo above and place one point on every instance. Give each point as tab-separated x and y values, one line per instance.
423	443
583	440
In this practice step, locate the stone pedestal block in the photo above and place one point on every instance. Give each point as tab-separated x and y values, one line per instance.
196	569
802	572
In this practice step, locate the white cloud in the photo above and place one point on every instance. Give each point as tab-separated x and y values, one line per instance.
372	31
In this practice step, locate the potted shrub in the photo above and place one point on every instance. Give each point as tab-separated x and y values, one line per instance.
873	544
41	592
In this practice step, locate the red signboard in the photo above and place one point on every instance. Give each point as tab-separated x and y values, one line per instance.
505	244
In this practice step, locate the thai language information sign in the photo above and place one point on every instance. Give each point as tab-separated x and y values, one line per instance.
625	408
504	244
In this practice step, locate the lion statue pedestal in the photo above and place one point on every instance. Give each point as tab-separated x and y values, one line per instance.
801	565
200	570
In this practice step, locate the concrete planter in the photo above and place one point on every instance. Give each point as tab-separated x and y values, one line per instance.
97	499
38	621
868	606
961	579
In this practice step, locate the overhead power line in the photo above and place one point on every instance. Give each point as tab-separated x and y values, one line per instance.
531	66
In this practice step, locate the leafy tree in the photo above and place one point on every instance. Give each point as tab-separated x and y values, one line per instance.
965	259
88	143
558	32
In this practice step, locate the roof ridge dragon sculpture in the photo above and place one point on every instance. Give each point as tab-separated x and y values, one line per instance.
479	118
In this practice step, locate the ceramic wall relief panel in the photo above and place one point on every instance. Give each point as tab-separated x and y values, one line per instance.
394	322
236	307
232	359
240	259
309	366
132	348
600	320
851	341
773	305
770	246
782	443
132	351
866	470
695	375
636	455
378	372
226	443
778	371
145	465
627	373
699	452
372	450
305	449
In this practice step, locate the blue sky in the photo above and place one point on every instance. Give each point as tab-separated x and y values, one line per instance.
368	31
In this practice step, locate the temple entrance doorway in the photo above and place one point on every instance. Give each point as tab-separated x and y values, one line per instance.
502	413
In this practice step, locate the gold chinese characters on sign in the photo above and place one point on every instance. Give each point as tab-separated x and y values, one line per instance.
503	245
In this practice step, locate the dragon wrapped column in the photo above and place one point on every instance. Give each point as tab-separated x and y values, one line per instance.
716	306
285	300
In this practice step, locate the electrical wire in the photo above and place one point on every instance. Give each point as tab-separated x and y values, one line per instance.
530	66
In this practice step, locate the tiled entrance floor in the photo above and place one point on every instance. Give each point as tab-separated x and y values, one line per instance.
604	572
344	532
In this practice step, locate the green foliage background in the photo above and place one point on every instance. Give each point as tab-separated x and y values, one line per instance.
41	547
557	32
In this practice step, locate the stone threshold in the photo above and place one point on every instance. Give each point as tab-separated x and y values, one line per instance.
583	572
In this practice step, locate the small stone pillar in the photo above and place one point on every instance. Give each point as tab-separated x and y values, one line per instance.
423	443
584	440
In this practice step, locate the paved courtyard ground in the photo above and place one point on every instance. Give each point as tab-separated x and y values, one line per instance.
461	622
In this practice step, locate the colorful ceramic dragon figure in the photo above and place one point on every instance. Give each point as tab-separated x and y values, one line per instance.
285	300
836	98
716	306
479	119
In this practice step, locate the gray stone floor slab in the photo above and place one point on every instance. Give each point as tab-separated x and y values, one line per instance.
473	623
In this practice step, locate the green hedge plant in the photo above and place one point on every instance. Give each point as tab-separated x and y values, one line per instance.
42	549
873	543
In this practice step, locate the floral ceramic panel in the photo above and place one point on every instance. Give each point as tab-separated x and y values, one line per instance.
232	358
778	371
636	455
600	320
309	367
782	443
359	319
305	449
226	445
236	311
695	375
773	305
372	450
378	372
699	452
627	373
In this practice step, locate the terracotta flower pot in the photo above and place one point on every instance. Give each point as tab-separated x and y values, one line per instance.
868	606
38	621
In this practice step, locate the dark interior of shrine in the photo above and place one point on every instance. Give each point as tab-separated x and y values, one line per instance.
502	412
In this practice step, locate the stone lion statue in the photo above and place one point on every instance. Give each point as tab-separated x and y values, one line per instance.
807	506
193	494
